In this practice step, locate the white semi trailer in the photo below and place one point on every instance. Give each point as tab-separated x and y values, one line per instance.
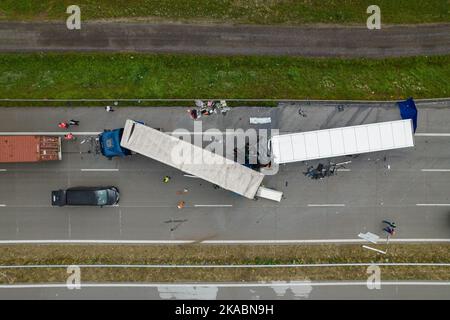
328	143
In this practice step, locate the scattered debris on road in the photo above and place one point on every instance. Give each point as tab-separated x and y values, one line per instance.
323	171
182	191
301	113
208	108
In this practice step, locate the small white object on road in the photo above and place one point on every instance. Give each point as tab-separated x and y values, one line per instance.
189	176
371	237
260	120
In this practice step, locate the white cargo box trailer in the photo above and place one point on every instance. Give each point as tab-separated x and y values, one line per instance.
337	142
214	168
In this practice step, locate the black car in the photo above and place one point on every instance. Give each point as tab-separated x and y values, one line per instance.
86	196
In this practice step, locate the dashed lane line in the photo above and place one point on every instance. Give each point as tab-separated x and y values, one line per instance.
326	205
99	170
213	205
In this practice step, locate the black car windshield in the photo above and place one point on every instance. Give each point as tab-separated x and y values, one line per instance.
102	197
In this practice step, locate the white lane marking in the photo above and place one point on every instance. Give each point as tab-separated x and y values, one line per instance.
229	285
435	170
61	133
93	170
64	241
3	170
326	205
2	205
210	266
433	204
432	134
190	176
213	205
344	170
54	133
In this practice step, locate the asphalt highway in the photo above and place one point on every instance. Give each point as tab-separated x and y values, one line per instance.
280	290
315	40
410	186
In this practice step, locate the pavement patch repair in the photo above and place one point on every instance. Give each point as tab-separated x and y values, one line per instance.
222	150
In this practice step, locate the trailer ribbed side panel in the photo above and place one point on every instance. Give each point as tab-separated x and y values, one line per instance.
337	142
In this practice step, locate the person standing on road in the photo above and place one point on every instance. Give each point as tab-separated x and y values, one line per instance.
181	204
166	179
74	122
69	137
193	113
109	109
63	125
389	230
393	225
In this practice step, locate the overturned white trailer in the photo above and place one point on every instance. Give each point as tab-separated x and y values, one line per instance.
193	160
337	142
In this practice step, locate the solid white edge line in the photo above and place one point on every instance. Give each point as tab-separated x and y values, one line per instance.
214	241
232	285
433	204
435	170
382	264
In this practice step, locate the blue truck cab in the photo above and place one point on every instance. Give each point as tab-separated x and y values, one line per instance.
110	144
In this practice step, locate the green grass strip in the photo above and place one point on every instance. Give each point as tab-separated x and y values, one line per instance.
72	76
236	11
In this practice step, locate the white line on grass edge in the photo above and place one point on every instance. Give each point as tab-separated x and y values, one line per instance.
232	285
71	241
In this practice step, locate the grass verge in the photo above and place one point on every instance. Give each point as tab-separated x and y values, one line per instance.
109	76
215	254
235	11
89	275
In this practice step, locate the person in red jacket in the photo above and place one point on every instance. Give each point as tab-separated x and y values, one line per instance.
69	136
63	125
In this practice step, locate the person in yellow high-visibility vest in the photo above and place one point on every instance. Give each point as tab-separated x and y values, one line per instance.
166	179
